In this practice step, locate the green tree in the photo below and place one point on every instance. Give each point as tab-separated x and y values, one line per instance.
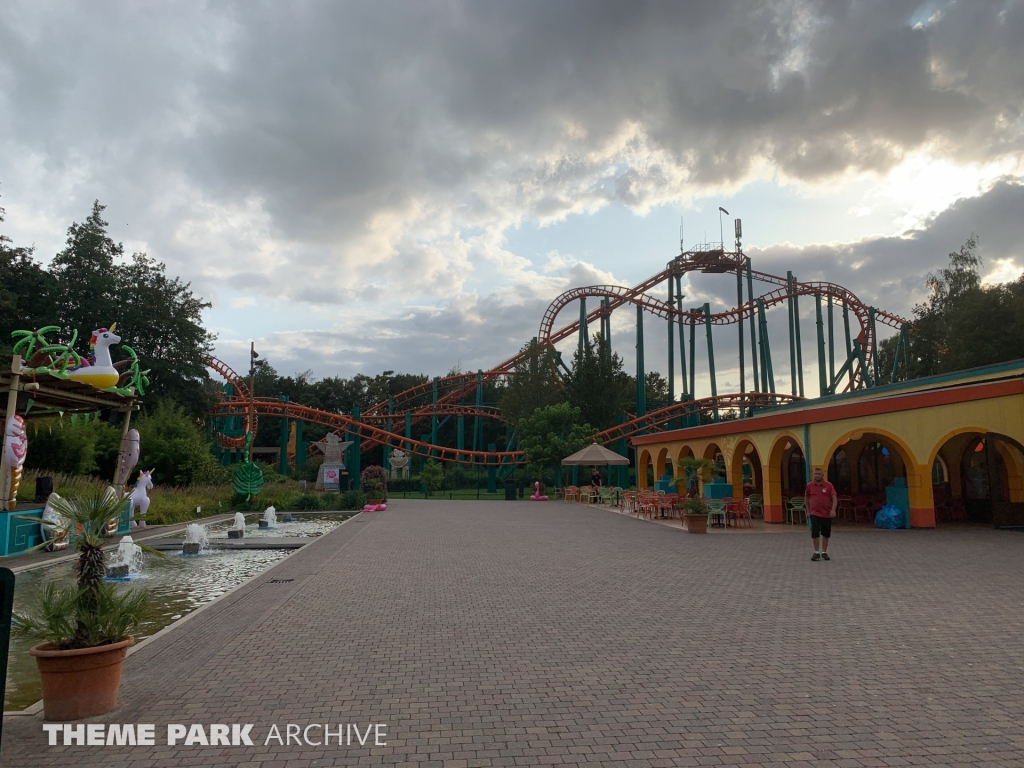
158	316
75	448
598	386
535	383
551	433
173	445
86	276
432	476
27	300
162	320
655	388
963	324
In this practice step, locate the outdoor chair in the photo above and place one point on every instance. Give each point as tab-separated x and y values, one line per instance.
716	513
665	504
957	511
648	506
586	494
796	509
572	493
627	501
844	510
737	511
862	508
755	503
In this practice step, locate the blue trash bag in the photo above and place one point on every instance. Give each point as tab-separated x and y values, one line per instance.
889	517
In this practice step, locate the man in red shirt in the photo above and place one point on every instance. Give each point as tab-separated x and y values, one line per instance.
821	507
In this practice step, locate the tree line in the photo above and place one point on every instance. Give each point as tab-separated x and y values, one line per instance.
552	408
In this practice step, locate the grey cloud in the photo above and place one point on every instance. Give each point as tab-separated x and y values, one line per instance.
479	332
342	119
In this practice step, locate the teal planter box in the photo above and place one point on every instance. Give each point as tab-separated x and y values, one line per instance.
898	495
666	484
18	535
717	490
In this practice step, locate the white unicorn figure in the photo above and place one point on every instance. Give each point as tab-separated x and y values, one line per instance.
99	371
140	498
15	450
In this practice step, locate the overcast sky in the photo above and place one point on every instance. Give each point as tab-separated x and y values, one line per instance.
406	185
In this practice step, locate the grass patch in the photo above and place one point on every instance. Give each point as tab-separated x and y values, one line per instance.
177	504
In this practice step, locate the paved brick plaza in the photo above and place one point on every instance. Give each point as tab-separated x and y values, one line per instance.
489	634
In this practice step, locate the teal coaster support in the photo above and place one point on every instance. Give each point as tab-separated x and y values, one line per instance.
492	470
641	389
354	469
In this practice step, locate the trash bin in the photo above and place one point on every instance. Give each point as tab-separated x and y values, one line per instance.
510	489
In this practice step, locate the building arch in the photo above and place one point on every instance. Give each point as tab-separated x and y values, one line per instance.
643	463
685	451
744	483
973	491
877	457
774	511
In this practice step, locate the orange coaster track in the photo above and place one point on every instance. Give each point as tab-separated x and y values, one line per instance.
373	435
419	402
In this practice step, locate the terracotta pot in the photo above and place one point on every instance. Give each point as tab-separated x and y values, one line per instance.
696	523
81	682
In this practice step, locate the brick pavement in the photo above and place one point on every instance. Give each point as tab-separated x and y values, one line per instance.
501	634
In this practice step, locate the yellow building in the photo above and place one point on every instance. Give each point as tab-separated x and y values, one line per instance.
957	440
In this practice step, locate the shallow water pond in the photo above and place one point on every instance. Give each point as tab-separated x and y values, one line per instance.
306	525
177	583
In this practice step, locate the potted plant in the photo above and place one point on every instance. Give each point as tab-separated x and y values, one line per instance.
375	484
87	628
695	513
694	471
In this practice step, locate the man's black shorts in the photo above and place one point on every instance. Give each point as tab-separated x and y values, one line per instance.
821	526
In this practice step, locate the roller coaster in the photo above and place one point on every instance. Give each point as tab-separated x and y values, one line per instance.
461	395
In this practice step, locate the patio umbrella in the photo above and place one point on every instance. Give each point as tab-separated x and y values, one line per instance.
595	455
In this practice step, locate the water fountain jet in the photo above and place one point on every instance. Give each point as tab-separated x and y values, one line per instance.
238	530
197	538
269	518
126	560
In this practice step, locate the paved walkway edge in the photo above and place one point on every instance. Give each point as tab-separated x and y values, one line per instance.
37	708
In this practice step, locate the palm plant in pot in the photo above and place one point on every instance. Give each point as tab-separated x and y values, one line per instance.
87	628
695	471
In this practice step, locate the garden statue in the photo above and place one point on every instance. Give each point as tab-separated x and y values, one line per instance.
140	498
128	458
99	371
15	449
329	476
399	462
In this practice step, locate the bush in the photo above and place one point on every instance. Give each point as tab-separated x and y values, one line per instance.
308	502
374	481
79	448
432	475
173	446
404	485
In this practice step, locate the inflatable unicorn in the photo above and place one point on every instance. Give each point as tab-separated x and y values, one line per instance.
140	498
57	532
99	371
15	450
129	457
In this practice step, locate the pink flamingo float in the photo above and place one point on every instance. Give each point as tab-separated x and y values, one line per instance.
536	494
